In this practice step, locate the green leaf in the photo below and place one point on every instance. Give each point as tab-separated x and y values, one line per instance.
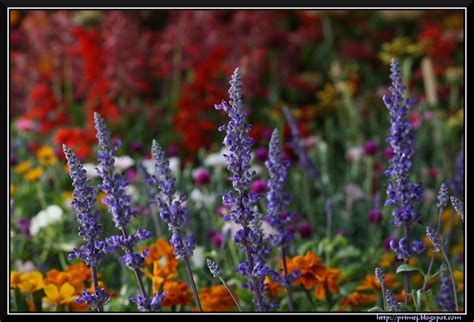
375	309
408	268
348	252
417	298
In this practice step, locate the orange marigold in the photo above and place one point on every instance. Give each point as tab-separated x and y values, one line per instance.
216	299
327	280
161	248
273	289
371	283
309	266
162	272
177	293
356	300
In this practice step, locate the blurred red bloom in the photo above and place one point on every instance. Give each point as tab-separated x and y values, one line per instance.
79	140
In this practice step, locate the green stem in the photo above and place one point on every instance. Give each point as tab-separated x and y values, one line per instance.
231	293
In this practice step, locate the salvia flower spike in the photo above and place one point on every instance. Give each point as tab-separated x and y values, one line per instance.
174	213
90	228
241	201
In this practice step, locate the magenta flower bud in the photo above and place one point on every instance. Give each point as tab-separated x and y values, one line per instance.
375	216
305	230
202	177
370	147
13	160
266	134
210	233
388	153
131	175
136	147
259	186
217	240
261	154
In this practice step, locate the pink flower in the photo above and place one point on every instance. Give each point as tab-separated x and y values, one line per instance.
201	176
433	172
261	154
25	125
259	186
375	216
217	240
415	119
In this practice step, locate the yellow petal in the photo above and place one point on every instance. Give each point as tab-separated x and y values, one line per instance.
51	292
67	290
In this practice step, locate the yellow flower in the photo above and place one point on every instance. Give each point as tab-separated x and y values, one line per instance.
34	174
456	119
23	167
459	278
14	279
67	196
64	295
387	260
46	156
399	47
12	190
31	282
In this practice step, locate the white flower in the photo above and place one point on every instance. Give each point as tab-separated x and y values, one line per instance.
216	159
25	267
230	228
91	171
132	191
353	192
206	200
149	165
354	154
198	257
123	163
267	230
175	165
256	168
45	218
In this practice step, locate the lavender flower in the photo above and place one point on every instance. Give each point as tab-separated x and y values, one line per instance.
400	189
277	199
380	275
446	298
305	161
434	238
147	304
443	196
241	202
119	204
458	206
173	213
90	228
391	301
214	268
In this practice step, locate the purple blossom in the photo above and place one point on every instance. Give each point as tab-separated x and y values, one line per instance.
370	147
443	196
305	230
392	302
458	206
84	204
433	236
401	190
446	298
241	201
305	161
277	198
261	154
93	300
147	304
24	225
375	216
259	186
172	211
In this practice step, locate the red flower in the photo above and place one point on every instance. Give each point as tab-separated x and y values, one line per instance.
79	140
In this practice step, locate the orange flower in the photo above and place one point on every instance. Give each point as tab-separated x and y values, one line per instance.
356	300
371	283
80	271
177	293
401	297
327	280
273	288
161	248
31	282
162	273
216	299
56	277
309	267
